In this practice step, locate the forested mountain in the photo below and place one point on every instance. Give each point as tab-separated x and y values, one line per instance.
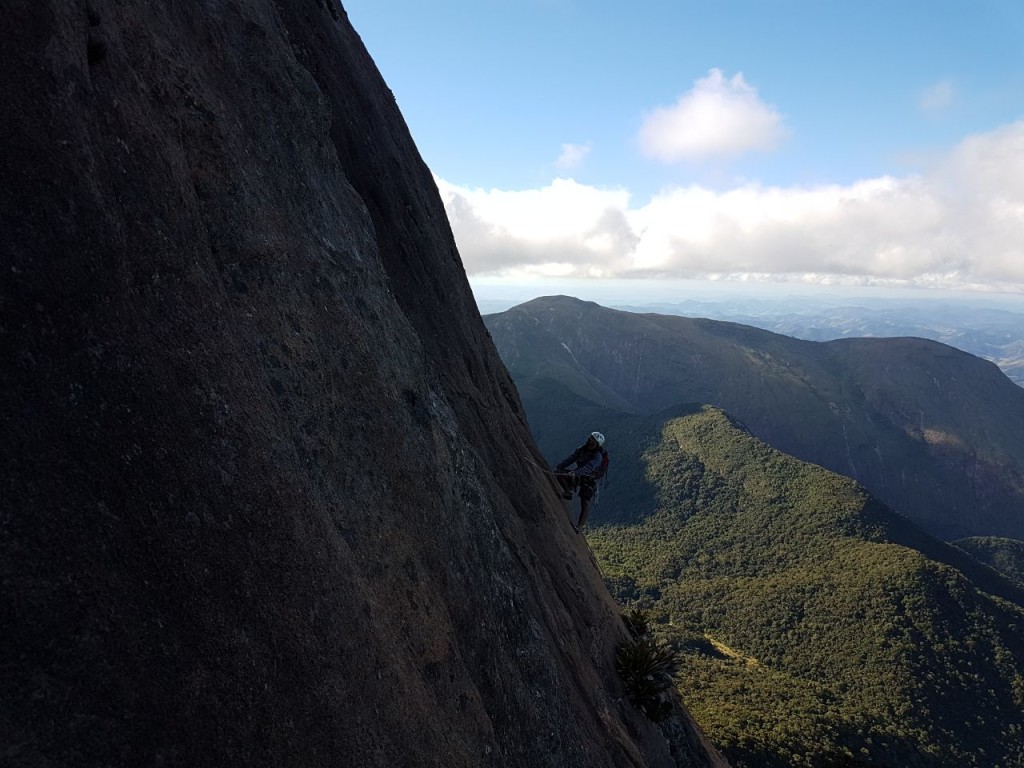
935	433
989	327
814	626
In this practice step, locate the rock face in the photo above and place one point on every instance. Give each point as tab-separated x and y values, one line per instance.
266	492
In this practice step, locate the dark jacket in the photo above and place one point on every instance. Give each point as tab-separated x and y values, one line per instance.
589	463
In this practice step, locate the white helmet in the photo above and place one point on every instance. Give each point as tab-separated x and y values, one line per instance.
598	437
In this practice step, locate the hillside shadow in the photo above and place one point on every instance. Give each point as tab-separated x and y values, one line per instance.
560	421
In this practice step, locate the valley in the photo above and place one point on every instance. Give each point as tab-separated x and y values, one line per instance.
811	526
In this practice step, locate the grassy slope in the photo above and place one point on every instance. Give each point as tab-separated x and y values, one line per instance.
810	633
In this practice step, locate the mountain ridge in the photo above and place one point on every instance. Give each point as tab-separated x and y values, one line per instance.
932	431
971	324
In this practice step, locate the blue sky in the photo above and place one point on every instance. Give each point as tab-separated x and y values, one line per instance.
829	142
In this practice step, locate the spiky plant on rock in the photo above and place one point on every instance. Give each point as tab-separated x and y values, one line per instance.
637	622
646	667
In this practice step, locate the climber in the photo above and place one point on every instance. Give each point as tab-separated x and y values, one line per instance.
588	463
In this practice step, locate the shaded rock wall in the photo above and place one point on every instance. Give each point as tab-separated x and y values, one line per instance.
265	497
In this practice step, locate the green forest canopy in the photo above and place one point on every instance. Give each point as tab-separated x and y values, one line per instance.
808	633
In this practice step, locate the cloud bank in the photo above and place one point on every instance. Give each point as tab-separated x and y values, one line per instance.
959	225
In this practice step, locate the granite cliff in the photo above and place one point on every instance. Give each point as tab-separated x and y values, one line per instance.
267	487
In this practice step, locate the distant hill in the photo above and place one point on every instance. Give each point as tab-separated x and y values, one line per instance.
935	433
994	333
815	626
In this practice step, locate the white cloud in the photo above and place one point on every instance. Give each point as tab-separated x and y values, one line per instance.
959	224
564	228
937	97
572	156
718	117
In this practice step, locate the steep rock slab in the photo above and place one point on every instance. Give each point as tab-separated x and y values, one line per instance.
264	498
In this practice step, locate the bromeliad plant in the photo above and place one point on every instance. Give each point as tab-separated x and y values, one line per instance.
646	667
637	622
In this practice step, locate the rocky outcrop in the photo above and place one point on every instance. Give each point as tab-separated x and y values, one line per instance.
267	494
